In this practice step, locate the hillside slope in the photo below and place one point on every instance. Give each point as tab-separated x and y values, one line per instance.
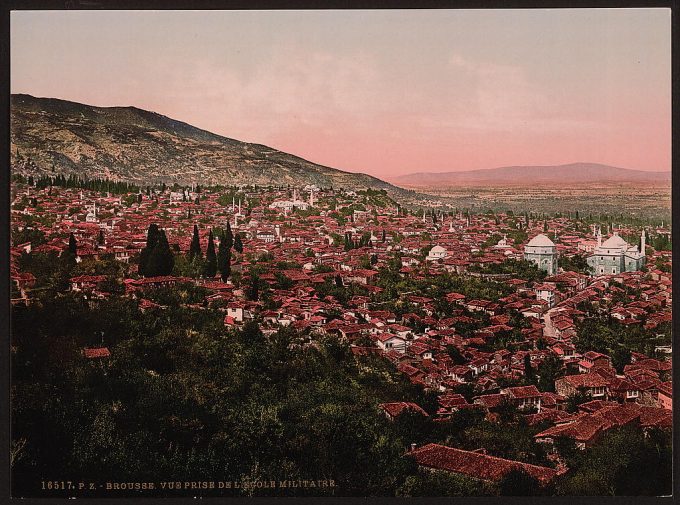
52	136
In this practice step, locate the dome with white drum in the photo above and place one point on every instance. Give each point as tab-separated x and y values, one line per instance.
543	252
615	255
614	242
541	240
437	253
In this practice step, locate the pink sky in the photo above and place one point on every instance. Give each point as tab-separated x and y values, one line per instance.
380	92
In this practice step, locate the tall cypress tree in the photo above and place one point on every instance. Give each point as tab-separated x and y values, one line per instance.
167	258
160	258
224	257
72	245
151	240
229	237
195	248
238	245
528	369
210	258
253	290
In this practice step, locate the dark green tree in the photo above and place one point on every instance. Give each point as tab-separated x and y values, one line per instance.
195	248
253	289
576	399
519	483
224	257
620	358
210	258
228	237
72	245
548	371
238	245
161	259
455	355
152	235
529	375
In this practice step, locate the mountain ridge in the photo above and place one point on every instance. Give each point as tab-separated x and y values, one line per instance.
579	172
55	136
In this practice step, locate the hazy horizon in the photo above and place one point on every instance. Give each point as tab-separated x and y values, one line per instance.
387	93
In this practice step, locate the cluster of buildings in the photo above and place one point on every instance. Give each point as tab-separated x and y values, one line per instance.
611	257
346	238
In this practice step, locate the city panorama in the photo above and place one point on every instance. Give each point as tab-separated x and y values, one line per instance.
340	253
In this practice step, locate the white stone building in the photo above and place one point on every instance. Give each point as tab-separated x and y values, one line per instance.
542	251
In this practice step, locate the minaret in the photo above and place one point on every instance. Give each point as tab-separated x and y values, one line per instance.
239	206
643	243
311	198
423	215
599	237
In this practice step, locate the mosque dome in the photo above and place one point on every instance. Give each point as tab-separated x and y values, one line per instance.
541	240
614	242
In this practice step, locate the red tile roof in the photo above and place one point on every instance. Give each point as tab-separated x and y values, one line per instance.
475	464
98	352
523	391
396	408
590	380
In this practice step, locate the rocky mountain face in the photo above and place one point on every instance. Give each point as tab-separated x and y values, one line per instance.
52	136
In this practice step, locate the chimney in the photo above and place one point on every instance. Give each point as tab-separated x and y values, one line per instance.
413	448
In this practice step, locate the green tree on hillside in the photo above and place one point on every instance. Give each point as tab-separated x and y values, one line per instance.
195	247
238	244
210	258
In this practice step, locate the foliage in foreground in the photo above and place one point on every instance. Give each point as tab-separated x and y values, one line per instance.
182	398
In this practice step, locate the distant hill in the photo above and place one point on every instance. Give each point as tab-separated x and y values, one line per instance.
52	136
523	175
